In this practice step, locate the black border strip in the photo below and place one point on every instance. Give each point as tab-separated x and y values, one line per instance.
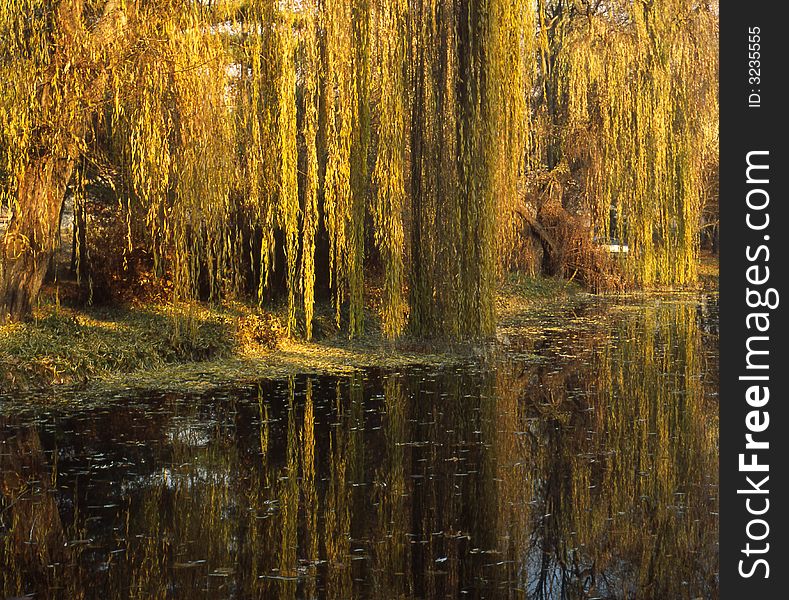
752	121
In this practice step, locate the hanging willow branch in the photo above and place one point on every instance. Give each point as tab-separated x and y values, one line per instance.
311	181
390	165
269	146
636	79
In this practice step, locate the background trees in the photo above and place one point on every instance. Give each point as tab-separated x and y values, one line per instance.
261	148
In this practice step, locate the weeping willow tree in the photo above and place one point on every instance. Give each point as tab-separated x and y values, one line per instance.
512	77
280	147
468	134
267	129
153	78
389	174
172	135
637	83
53	71
214	157
346	119
311	184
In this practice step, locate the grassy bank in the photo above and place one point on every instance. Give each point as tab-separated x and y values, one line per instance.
708	271
196	347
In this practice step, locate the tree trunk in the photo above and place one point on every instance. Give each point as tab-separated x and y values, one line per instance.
550	250
32	235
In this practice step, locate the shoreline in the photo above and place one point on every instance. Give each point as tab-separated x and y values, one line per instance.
145	347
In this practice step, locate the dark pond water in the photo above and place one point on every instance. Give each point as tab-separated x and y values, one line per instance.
576	460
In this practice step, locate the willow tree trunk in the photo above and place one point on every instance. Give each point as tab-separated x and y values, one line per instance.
32	235
73	82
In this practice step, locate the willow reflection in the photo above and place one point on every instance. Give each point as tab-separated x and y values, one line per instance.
591	472
624	486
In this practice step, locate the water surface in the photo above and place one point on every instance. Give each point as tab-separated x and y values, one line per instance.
577	459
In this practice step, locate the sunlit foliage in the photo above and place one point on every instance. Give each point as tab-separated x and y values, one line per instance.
283	149
467	148
389	174
637	80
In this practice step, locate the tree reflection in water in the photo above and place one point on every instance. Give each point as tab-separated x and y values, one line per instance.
589	472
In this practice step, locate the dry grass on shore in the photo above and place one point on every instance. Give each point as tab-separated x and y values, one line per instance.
196	346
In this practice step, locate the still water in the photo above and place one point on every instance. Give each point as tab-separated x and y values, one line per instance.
578	458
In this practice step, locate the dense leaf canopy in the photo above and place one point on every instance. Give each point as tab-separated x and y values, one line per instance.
322	142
